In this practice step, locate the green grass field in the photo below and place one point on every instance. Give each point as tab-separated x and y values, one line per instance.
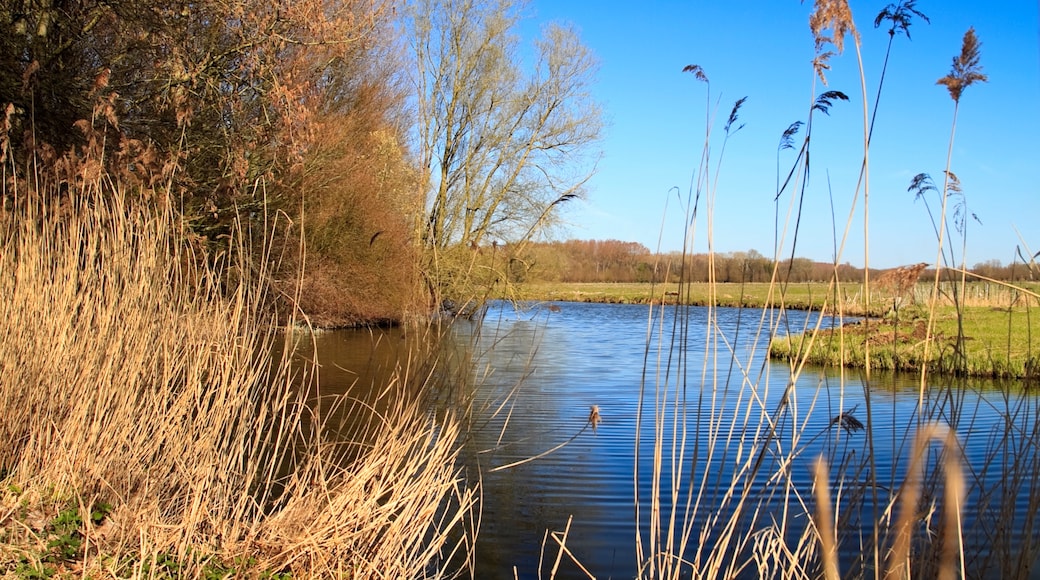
802	296
999	326
997	343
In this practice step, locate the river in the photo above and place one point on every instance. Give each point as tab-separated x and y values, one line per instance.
688	396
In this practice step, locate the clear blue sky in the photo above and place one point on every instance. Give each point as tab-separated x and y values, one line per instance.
762	49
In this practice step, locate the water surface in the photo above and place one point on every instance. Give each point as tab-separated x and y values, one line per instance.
536	374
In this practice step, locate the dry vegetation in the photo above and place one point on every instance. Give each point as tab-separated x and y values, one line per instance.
175	191
184	181
157	425
235	112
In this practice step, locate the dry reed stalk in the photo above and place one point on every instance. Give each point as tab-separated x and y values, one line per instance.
966	71
774	557
824	521
899	282
561	540
899	564
133	377
761	442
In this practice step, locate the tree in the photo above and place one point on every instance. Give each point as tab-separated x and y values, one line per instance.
502	144
228	86
233	111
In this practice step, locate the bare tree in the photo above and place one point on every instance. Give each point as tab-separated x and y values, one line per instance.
502	143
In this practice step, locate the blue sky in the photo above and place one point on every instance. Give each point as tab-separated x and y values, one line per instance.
763	50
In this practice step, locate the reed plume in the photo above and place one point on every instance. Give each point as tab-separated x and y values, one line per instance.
900	15
697	72
833	15
966	69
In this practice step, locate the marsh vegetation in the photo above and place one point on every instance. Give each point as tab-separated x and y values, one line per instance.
191	192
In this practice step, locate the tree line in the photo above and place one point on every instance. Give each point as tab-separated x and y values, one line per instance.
358	147
592	261
618	261
372	158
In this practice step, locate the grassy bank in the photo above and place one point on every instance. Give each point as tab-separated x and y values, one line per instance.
156	426
997	342
998	324
813	295
802	296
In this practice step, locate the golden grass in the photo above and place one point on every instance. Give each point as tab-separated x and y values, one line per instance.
756	520
132	378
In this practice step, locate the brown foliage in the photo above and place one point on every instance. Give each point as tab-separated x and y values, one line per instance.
966	69
360	264
900	281
227	90
234	109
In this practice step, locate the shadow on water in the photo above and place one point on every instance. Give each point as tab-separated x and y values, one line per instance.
355	377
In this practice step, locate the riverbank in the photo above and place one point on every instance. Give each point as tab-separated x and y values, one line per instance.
997	326
993	343
800	297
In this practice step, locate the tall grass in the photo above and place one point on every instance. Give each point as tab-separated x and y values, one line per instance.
725	498
135	376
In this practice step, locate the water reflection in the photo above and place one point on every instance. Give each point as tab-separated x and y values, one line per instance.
534	374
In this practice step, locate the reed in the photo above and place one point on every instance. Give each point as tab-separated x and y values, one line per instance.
966	71
722	497
725	499
149	402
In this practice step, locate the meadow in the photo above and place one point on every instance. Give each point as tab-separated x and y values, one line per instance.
996	320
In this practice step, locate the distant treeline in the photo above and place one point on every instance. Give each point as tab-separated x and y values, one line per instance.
617	261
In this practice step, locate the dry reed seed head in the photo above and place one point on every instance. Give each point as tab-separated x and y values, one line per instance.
967	67
900	280
900	14
921	184
953	184
847	421
697	71
733	114
5	131
825	100
821	64
836	16
101	80
594	417
787	138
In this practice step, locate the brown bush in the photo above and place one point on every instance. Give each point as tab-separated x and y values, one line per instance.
236	111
